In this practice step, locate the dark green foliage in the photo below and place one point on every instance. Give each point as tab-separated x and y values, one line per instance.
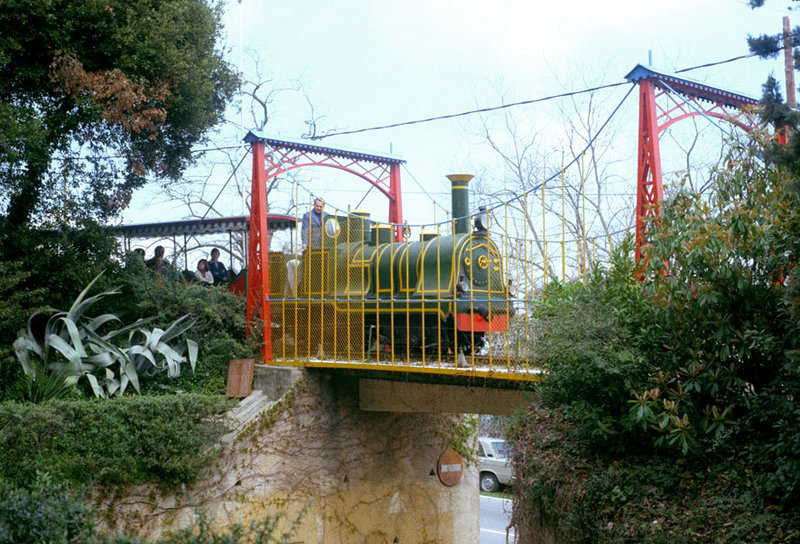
589	334
219	329
766	46
43	512
775	419
634	499
18	303
53	266
164	439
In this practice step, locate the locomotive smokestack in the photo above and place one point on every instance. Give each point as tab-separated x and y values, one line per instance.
460	196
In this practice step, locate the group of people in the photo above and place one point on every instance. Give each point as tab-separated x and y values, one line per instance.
208	271
211	271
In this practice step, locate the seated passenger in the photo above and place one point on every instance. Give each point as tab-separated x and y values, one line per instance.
217	269
158	265
203	274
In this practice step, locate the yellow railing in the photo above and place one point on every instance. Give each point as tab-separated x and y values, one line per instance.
435	302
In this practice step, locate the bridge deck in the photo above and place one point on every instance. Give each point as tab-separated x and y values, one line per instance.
497	372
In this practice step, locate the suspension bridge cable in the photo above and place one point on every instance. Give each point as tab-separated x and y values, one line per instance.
535	188
577	156
517	197
219	194
456	115
526	102
774	51
224	185
710	64
471	112
422	187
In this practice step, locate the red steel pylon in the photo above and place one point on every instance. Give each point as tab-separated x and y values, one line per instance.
664	100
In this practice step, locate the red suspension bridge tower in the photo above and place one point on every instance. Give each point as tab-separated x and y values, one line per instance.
272	157
663	101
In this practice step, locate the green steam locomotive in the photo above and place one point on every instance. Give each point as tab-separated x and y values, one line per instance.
363	294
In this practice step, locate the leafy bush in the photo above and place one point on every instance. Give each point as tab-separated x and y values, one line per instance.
644	499
219	328
705	352
163	439
43	512
716	269
587	335
55	262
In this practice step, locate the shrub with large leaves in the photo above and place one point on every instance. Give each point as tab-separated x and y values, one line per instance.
60	348
717	274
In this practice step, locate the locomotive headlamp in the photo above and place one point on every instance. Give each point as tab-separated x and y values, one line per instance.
463	284
482	220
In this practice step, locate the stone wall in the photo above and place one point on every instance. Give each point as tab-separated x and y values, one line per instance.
347	475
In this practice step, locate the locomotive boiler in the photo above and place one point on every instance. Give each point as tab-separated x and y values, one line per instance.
362	294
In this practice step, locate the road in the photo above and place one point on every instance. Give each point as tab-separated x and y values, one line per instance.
495	516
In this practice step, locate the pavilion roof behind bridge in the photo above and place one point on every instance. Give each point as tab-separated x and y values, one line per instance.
202	226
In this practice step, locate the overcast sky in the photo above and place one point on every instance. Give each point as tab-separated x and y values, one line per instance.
364	63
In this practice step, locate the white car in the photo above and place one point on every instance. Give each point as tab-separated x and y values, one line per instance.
494	463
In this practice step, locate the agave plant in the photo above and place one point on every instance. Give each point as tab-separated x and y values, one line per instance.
71	347
153	352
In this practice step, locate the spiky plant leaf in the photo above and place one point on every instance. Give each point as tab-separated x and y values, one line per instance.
74	336
66	350
98	391
101	320
193	349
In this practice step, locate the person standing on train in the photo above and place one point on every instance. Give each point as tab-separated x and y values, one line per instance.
311	233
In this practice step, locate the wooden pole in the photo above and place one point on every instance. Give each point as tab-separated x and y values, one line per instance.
789	63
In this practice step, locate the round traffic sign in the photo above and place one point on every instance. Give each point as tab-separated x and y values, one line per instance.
450	467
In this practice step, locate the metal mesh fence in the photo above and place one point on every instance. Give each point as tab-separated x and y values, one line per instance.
450	299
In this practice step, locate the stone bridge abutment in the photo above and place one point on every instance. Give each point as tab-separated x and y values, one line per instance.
348	459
